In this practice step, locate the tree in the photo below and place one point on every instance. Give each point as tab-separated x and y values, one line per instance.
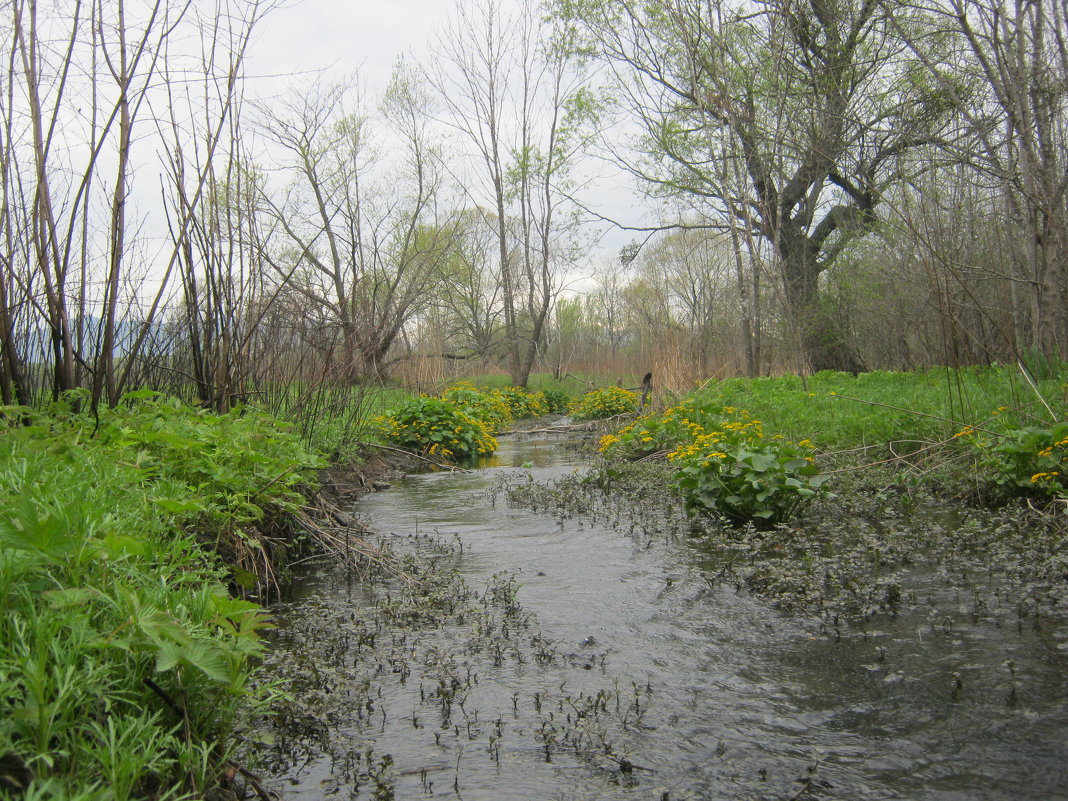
786	121
361	243
1004	68
512	88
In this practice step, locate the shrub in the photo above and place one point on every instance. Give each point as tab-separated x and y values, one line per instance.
556	400
724	465
602	403
761	484
437	427
489	407
1028	461
523	403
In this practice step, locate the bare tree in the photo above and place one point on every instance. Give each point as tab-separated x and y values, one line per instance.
1004	67
511	88
370	241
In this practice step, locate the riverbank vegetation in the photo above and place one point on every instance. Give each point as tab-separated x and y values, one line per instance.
817	492
833	194
127	537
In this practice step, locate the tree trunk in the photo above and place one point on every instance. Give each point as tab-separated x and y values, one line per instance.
823	338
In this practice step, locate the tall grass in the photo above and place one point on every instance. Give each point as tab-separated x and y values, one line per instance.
123	656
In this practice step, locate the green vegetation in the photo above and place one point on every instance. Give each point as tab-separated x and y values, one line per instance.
978	425
600	404
724	466
1028	461
839	411
123	657
436	427
523	403
459	424
489	407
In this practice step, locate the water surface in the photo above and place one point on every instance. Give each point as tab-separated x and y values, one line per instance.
618	670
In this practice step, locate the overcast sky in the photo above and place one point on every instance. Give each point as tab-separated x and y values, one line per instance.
344	36
366	37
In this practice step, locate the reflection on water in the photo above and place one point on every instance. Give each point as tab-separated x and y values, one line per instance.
700	692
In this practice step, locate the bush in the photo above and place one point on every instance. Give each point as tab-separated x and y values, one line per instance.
438	428
1027	461
556	400
602	403
724	465
489	407
523	403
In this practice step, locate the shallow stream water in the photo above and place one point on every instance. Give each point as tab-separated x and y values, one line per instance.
614	669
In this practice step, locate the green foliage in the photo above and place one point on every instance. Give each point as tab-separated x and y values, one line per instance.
438	427
1029	461
762	484
556	401
602	403
523	403
724	465
839	410
490	407
105	585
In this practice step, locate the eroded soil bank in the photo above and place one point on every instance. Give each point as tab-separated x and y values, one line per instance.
573	643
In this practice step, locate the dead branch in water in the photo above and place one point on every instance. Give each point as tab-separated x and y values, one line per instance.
413	455
341	535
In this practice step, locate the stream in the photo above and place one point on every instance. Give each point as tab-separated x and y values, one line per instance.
559	659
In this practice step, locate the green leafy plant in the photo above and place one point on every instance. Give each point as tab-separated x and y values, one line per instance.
723	463
1028	461
438	428
764	485
491	407
556	400
116	610
600	404
523	403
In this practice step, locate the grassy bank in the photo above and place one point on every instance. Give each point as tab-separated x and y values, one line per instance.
124	657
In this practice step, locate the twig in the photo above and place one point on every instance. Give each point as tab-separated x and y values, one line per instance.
255	782
177	708
347	546
1034	387
421	457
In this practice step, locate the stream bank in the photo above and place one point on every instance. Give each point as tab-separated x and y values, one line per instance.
540	654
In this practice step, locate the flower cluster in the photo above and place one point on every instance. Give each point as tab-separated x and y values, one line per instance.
522	402
1032	460
489	407
602	403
